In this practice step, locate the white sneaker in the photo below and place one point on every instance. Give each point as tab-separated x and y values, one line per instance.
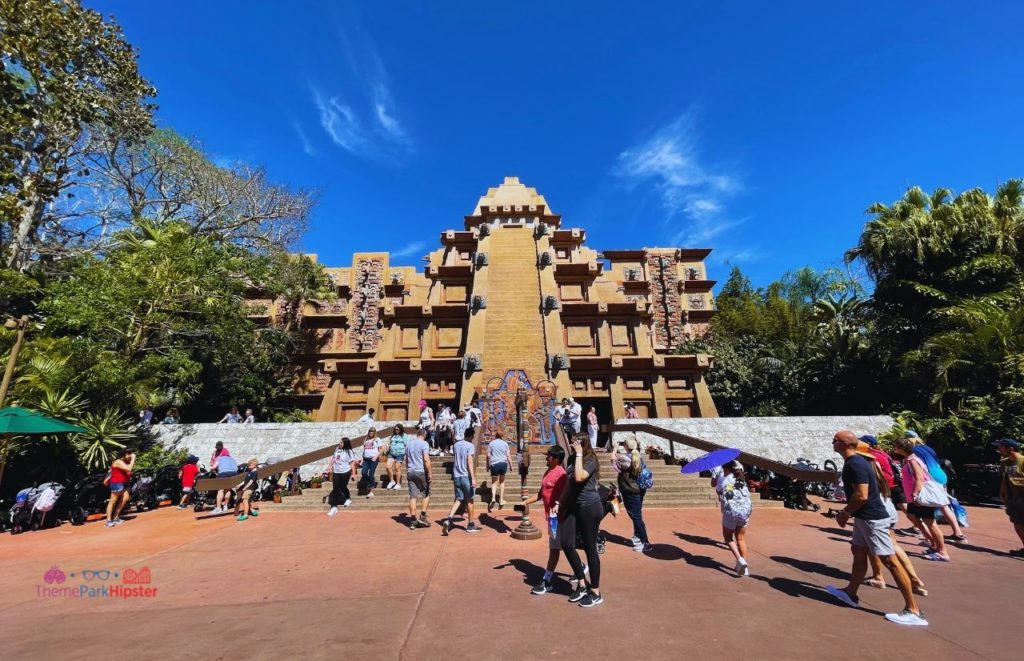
369	495
348	503
216	510
907	618
392	484
741	568
334	510
635	540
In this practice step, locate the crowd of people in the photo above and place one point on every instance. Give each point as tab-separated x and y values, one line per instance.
147	417
877	485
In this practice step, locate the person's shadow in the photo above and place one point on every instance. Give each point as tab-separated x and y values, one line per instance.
803	589
617	539
834	531
494	523
533	574
697	539
811	567
703	561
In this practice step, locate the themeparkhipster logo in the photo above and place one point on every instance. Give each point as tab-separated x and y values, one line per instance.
128	583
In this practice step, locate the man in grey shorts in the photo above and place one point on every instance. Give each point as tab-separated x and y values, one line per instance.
870	531
417	476
464	479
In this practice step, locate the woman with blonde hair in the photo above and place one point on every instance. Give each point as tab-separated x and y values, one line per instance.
629	464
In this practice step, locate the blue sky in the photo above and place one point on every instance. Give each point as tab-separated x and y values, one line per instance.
762	130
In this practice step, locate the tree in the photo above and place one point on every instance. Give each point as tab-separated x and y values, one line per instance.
166	177
66	74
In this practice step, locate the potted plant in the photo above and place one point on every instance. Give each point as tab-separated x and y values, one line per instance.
316	482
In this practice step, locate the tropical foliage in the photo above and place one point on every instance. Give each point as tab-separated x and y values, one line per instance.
937	333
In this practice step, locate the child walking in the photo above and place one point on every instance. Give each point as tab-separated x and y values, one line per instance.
731	484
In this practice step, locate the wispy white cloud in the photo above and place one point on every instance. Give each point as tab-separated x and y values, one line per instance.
408	250
367	122
692	195
340	123
307	146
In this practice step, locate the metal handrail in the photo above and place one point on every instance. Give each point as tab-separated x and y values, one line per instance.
673	437
231	481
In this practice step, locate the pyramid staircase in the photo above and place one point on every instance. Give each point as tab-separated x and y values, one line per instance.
671	489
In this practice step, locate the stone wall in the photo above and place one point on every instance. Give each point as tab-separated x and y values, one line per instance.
781	439
264	440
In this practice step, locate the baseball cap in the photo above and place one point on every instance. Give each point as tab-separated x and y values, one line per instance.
1007	443
870	440
910	433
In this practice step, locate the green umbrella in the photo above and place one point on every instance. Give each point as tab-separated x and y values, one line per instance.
16	420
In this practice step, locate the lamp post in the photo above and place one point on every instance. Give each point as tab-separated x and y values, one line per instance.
11	324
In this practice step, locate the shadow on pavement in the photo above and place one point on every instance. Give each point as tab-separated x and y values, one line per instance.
802	589
494	523
697	539
811	567
835	531
617	539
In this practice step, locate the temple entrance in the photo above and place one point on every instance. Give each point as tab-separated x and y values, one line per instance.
604	415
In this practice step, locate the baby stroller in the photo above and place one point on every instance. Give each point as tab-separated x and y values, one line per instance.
89	496
166	484
208	499
36	507
142	492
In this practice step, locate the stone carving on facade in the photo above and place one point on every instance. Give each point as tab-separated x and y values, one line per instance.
697	301
544	259
667	322
478	303
363	333
472	363
480	260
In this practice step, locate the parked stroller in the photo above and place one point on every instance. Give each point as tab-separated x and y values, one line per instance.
167	484
38	507
89	496
143	495
208	499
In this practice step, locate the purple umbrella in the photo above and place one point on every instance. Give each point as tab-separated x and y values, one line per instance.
710	460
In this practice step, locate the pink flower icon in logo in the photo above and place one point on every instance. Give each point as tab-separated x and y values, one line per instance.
54	575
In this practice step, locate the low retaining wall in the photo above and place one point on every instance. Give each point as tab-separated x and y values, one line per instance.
782	439
265	439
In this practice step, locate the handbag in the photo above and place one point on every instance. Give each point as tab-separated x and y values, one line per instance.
931	495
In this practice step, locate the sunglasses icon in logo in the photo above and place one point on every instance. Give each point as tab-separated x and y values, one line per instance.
100	574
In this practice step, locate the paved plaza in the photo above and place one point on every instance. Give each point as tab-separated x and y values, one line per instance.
302	585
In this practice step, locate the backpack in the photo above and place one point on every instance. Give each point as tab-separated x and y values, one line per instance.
645	480
46	500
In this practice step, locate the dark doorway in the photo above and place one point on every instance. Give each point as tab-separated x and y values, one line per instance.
604	415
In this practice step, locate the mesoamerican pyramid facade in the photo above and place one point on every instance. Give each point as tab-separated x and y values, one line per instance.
512	304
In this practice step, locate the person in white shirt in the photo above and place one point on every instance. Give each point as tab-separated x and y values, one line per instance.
443	428
340	469
368	416
427	424
577	414
497	463
371	457
460	426
232	417
249	417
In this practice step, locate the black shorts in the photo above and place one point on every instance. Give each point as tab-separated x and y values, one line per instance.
523	470
897	495
920	511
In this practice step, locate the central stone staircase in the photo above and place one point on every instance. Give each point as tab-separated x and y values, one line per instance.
671	489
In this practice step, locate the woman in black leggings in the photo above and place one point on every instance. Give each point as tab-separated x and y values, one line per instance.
580	510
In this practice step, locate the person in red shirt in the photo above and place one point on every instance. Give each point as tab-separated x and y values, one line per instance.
551	487
188	474
120	474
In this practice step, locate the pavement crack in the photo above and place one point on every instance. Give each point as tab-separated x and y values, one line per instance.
419	601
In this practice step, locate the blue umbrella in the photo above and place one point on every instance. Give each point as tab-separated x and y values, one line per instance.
710	460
